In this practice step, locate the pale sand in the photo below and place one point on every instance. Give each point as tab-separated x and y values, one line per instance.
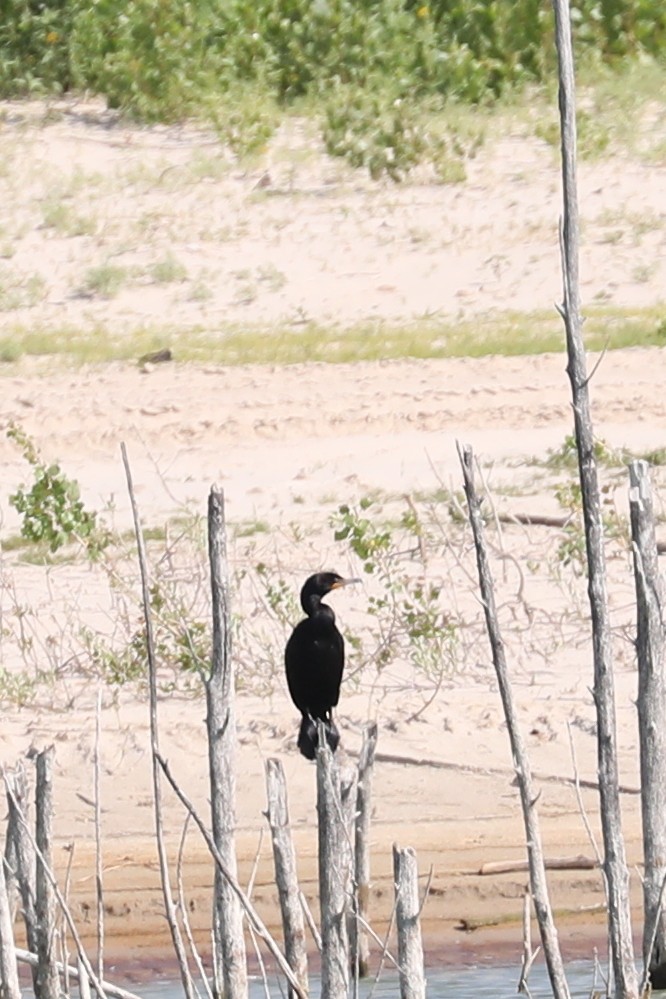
291	444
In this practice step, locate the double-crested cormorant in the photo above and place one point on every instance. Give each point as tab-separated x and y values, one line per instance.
314	660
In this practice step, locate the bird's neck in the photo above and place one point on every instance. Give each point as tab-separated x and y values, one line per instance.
313	607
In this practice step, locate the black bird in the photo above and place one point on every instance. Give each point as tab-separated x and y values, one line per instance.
314	661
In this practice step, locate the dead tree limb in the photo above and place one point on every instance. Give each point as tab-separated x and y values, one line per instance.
48	873
221	726
615	866
408	911
9	983
360	948
538	881
248	908
650	650
99	866
113	991
17	803
48	981
578	863
286	875
169	906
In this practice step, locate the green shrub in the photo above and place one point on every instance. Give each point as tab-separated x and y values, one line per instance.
164	60
52	510
149	57
34	46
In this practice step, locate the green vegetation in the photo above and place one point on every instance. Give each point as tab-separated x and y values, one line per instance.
105	280
409	621
52	510
508	334
369	67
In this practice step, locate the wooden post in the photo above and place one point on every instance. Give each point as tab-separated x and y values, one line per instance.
407	913
17	805
334	874
360	948
521	763
615	864
286	875
9	983
48	983
650	648
221	724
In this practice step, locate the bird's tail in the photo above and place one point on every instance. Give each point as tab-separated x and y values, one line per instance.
308	739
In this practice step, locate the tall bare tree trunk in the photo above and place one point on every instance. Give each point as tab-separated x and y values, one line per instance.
231	968
521	763
650	648
615	865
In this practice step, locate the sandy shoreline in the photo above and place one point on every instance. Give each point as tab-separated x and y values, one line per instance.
289	445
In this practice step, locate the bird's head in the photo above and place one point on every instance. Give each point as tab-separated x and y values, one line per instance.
317	586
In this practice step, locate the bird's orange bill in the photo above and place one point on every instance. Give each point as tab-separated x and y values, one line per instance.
344	582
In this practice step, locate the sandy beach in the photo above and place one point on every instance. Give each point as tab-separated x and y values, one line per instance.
289	445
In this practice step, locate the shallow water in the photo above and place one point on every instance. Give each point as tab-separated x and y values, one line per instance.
496	982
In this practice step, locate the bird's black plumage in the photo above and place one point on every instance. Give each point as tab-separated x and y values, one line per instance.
314	662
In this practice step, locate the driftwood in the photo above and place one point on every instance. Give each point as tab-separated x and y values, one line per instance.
615	865
408	911
472	768
538	882
114	991
469	925
230	969
286	875
578	863
650	650
169	906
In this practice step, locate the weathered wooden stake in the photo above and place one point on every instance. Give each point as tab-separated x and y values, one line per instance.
410	945
221	725
9	983
286	875
360	948
334	873
24	854
615	864
650	649
47	985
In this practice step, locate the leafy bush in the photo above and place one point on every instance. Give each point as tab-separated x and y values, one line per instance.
34	46
158	58
150	57
52	510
